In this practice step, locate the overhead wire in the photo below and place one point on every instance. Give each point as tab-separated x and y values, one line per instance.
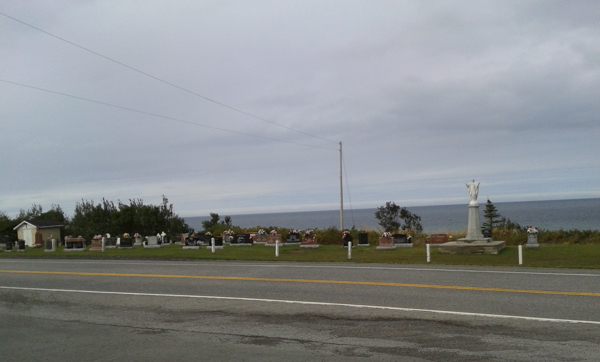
182	89
164	81
160	115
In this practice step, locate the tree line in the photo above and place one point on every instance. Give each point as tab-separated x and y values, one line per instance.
90	219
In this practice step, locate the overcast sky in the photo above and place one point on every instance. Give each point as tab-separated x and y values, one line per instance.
424	95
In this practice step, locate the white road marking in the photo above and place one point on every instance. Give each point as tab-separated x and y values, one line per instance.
433	311
290	265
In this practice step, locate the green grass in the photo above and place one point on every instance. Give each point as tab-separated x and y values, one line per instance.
547	256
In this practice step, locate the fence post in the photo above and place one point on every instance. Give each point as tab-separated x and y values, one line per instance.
349	250
428	253
520	254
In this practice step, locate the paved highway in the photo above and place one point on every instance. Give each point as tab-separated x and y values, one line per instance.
103	310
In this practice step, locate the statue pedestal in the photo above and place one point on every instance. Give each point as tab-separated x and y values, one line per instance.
474	233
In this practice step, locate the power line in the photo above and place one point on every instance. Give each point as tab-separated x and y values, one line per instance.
159	115
164	81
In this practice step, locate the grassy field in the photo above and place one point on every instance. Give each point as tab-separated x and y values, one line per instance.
547	256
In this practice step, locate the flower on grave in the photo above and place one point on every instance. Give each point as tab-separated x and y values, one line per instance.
273	232
532	230
136	235
309	233
294	232
344	234
262	232
229	232
126	236
386	234
208	233
97	237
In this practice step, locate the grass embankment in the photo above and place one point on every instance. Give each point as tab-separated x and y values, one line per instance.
547	256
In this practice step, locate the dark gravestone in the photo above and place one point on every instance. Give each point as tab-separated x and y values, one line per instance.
218	241
191	241
293	239
49	244
400	239
363	239
241	239
21	245
9	245
110	243
126	243
487	233
347	239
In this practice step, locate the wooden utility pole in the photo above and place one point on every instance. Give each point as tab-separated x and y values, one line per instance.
341	192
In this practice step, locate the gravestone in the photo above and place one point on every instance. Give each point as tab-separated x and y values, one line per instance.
50	245
273	238
227	238
532	240
191	242
75	244
292	239
182	238
138	241
21	245
110	243
487	233
126	243
346	239
241	239
309	241
218	243
97	243
386	242
153	242
363	239
8	246
402	240
438	238
259	239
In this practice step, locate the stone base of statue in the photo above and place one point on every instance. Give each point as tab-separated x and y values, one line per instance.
474	233
474	247
474	242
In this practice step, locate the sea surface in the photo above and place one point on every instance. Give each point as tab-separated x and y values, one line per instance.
582	214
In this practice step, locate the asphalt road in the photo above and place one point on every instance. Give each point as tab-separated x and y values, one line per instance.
63	310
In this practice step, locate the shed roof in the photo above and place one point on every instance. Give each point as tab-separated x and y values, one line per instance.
41	224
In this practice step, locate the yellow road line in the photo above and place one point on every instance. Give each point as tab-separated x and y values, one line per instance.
433	286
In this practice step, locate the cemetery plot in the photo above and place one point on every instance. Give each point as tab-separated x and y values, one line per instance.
273	238
402	240
293	239
153	242
241	240
363	239
75	244
386	242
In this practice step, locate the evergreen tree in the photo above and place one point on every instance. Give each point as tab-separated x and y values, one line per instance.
492	216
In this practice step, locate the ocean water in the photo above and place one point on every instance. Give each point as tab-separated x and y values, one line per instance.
582	214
